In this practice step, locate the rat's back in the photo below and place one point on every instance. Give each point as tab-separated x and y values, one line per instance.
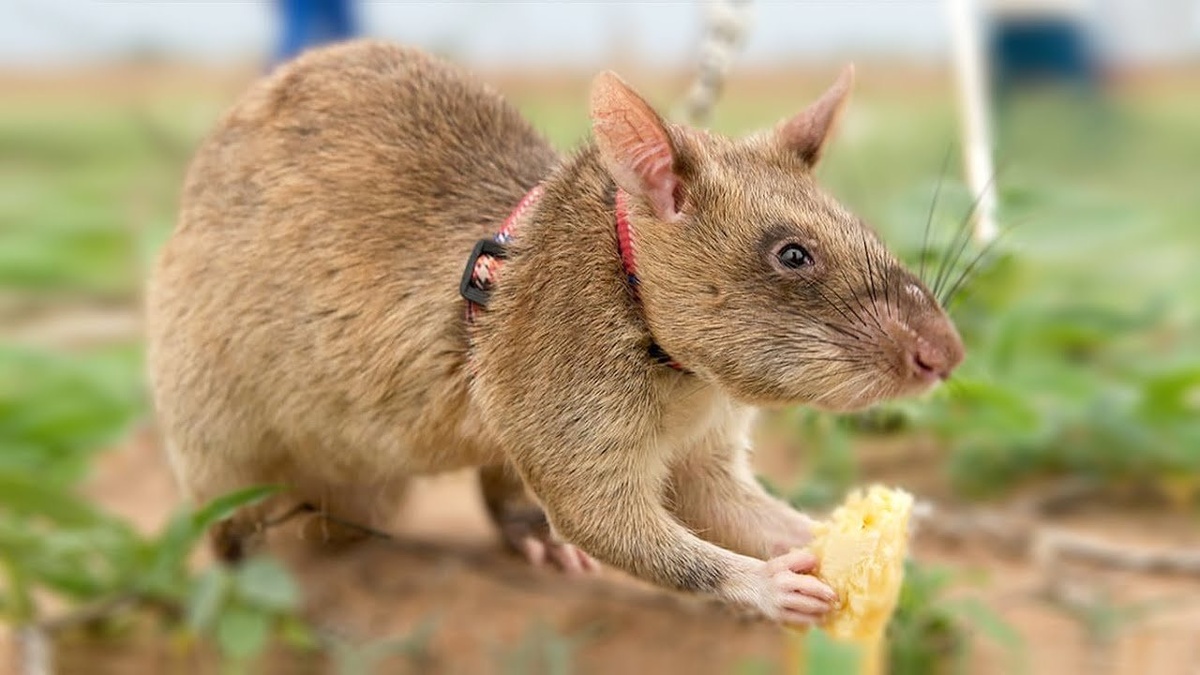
306	305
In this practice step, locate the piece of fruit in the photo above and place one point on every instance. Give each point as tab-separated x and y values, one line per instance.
861	548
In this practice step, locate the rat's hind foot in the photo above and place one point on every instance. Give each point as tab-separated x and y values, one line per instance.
244	533
231	542
523	524
527	532
332	532
342	516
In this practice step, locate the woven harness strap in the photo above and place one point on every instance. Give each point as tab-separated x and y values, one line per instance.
487	258
483	267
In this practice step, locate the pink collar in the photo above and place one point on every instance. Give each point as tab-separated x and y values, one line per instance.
487	258
625	238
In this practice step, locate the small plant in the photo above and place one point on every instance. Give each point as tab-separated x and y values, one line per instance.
931	633
55	546
241	608
1103	618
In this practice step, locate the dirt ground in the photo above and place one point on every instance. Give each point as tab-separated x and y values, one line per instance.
446	563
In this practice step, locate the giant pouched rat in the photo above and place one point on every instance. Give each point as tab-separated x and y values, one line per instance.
306	325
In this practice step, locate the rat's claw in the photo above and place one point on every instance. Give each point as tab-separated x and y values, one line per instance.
591	566
565	557
576	561
534	551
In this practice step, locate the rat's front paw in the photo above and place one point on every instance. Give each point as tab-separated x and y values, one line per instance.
789	591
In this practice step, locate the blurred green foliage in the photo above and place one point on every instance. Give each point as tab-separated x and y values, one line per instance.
934	631
56	411
55	544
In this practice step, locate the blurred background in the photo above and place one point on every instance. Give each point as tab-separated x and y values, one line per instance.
1058	472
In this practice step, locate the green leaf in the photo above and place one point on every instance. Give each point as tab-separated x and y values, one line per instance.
171	549
19	607
242	632
264	583
974	613
979	616
28	496
222	507
823	654
1000	407
1173	394
56	410
208	594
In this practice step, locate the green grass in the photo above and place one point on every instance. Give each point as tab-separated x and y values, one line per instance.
82	188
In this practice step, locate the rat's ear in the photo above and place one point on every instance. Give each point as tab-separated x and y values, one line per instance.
634	144
807	133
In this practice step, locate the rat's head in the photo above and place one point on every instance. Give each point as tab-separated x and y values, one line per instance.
752	276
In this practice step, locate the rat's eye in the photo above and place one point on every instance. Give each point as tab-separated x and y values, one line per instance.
794	256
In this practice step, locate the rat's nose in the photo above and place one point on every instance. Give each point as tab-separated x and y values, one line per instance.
929	362
927	348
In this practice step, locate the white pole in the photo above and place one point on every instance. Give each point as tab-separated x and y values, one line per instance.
973	103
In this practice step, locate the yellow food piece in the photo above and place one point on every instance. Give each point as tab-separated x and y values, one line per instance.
861	549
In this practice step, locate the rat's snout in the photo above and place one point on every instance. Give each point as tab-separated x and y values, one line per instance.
928	347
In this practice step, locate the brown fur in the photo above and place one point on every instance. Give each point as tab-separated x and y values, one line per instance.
305	326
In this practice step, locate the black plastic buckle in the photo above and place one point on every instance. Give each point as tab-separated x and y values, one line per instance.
466	288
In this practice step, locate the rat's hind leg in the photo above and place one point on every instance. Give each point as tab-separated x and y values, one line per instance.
348	513
235	537
523	524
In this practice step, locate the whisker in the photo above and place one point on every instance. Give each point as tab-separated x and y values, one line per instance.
870	273
860	320
857	320
886	279
831	359
825	298
966	272
843	331
822	340
859	301
933	207
964	233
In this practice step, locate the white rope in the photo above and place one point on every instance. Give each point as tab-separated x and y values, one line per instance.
726	25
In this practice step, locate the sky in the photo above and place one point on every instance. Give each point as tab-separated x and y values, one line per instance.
579	33
57	32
